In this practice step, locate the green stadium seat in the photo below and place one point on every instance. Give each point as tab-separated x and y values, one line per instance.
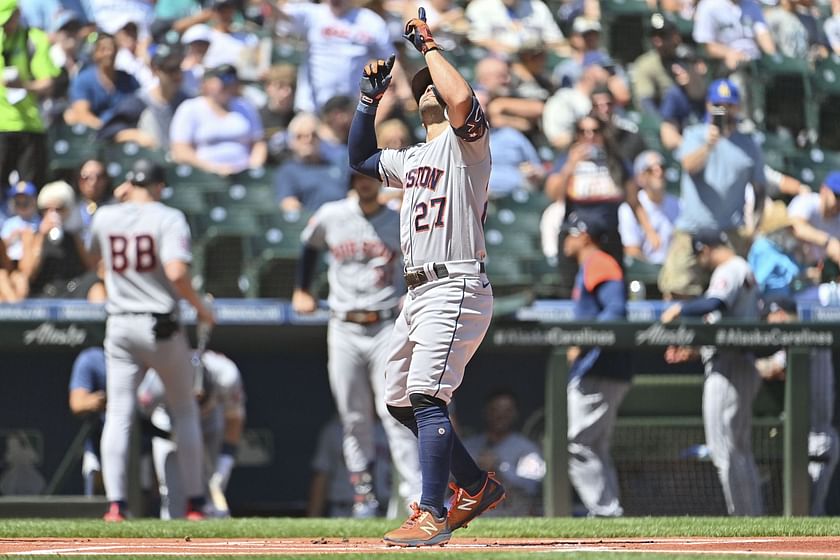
70	146
183	175
826	106
509	237
236	195
624	23
119	158
272	255
811	166
508	274
188	199
776	89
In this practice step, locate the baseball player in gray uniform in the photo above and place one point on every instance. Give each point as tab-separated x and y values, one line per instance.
145	248
823	448
366	286
221	401
732	380
449	303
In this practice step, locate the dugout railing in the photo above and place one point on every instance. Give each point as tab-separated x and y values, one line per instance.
552	329
282	356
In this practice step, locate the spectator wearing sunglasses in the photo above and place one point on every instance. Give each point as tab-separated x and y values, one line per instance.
94	191
662	208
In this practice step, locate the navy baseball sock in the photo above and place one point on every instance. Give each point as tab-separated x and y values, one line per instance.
435	435
464	470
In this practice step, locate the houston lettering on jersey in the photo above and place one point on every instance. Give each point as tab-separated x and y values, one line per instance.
362	251
423	177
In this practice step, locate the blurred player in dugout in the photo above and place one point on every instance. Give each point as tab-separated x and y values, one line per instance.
221	399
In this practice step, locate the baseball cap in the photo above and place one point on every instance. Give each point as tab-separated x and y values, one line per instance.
226	72
583	25
145	172
64	18
646	160
24	188
197	32
778	302
832	181
7	8
661	25
723	92
421	80
708	238
578	222
167	57
113	24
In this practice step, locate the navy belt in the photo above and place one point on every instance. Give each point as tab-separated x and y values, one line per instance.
419	275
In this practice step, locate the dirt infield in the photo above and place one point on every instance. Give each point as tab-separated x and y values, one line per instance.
817	547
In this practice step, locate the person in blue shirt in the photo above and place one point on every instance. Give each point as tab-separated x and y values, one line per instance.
598	379
309	178
87	400
99	90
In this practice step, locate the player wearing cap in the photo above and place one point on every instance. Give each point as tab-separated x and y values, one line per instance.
449	303
366	289
598	379
731	381
718	162
221	399
823	451
145	248
816	220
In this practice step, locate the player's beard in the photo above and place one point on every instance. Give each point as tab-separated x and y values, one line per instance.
431	112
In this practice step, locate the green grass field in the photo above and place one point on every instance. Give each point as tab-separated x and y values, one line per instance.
533	527
336	529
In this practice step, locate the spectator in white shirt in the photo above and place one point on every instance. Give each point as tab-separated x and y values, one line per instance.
662	209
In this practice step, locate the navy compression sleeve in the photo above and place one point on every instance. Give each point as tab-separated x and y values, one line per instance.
306	267
612	297
700	306
364	155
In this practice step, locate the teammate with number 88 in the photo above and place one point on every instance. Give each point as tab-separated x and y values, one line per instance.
449	303
145	247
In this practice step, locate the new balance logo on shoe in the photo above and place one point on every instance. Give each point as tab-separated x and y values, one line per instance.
420	529
465	507
466	504
429	528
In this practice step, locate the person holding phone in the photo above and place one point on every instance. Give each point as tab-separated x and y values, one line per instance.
718	162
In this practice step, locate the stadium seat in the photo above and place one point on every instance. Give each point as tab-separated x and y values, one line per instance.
224	247
776	89
826	106
70	146
246	190
185	175
812	165
623	24
188	199
273	254
508	274
118	158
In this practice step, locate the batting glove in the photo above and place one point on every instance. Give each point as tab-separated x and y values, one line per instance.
417	33
375	80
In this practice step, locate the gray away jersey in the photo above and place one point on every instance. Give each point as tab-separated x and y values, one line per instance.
365	271
136	241
733	284
445	199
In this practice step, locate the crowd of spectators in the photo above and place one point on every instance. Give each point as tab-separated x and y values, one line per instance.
226	86
659	144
